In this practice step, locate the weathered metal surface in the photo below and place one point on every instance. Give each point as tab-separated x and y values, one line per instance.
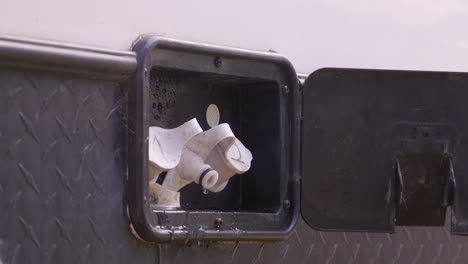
407	245
357	122
62	191
62	172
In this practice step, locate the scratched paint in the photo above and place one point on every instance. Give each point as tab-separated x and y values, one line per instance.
1	250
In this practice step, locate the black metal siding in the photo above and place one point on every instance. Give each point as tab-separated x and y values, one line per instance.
62	160
62	190
408	245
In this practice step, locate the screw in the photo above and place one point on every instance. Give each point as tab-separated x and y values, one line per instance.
218	223
218	62
287	204
285	89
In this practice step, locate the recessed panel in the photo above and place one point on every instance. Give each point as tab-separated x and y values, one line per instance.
356	125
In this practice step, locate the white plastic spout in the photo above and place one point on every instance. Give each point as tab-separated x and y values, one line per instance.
190	169
193	166
230	157
219	148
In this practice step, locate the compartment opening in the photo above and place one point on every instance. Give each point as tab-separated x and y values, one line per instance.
250	106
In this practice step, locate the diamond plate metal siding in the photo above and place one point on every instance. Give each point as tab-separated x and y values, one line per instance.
62	191
62	172
407	245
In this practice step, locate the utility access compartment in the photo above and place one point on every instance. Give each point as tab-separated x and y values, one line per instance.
250	106
256	94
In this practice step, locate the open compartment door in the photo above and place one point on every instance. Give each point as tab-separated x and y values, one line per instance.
383	148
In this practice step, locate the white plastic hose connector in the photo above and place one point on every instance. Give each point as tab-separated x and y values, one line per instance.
191	168
219	148
230	157
188	154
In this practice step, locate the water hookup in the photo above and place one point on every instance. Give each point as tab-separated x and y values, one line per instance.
187	154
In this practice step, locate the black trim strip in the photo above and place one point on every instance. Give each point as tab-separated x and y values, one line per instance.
53	56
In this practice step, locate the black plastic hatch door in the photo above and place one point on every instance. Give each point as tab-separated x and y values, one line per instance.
383	148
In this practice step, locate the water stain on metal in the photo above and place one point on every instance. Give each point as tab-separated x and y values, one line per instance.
163	96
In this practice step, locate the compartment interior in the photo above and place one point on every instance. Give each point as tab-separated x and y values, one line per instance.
250	107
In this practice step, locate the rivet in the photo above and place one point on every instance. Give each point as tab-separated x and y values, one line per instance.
218	62
218	223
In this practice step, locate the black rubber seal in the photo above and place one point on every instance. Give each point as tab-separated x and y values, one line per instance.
203	175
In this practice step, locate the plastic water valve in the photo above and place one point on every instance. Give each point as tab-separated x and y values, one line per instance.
188	154
191	168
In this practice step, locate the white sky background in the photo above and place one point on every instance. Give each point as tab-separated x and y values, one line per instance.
397	34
